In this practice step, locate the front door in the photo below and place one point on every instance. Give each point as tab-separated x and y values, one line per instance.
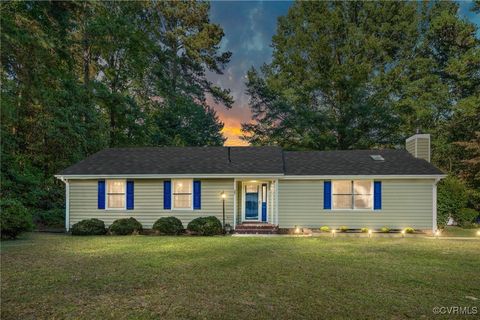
251	202
255	202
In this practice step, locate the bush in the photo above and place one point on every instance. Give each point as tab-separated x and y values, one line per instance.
125	226
343	229
88	227
409	230
364	230
466	216
205	226
14	219
54	218
168	225
452	196
325	229
385	229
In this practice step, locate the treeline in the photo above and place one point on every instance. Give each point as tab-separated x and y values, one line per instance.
356	75
81	76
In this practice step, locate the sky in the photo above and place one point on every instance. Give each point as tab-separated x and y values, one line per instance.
249	27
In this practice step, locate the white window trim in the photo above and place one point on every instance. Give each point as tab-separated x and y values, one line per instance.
172	202
107	208
353	204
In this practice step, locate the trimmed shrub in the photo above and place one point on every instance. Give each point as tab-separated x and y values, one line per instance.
466	216
168	225
385	230
325	229
364	230
14	219
409	230
343	228
452	196
205	226
88	227
125	226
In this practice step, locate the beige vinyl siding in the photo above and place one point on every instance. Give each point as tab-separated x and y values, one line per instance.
148	198
405	203
411	145
423	148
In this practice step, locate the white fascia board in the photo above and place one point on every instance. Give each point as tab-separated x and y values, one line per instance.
332	177
165	176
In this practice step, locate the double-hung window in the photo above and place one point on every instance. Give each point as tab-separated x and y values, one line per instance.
357	194
116	194
182	193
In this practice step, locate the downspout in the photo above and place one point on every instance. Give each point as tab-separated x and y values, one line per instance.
234	203
434	205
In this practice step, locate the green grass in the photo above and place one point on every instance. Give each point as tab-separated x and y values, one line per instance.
145	277
452	231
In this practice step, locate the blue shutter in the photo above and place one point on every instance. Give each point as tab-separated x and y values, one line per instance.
129	195
197	195
377	195
101	194
327	195
167	194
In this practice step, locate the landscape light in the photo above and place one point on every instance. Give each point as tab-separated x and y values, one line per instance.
369	233
403	233
478	233
437	233
333	233
224	195
297	229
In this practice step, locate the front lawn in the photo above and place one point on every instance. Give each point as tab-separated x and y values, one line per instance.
453	231
55	276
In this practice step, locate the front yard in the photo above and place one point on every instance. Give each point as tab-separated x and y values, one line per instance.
54	276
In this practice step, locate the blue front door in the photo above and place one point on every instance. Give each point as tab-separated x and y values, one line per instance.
251	203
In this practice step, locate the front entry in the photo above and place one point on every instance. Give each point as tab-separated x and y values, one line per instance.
255	205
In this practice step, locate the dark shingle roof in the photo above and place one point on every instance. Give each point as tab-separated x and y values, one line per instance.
356	162
249	160
181	160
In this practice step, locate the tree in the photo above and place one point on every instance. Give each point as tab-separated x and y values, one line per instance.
359	75
326	86
80	76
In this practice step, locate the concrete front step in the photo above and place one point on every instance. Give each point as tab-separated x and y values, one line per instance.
256	231
255	226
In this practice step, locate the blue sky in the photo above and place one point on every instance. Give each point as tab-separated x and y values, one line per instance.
249	27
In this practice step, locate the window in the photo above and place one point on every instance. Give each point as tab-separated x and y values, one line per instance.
182	193
116	194
349	194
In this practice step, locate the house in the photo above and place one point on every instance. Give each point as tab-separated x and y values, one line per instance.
355	188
